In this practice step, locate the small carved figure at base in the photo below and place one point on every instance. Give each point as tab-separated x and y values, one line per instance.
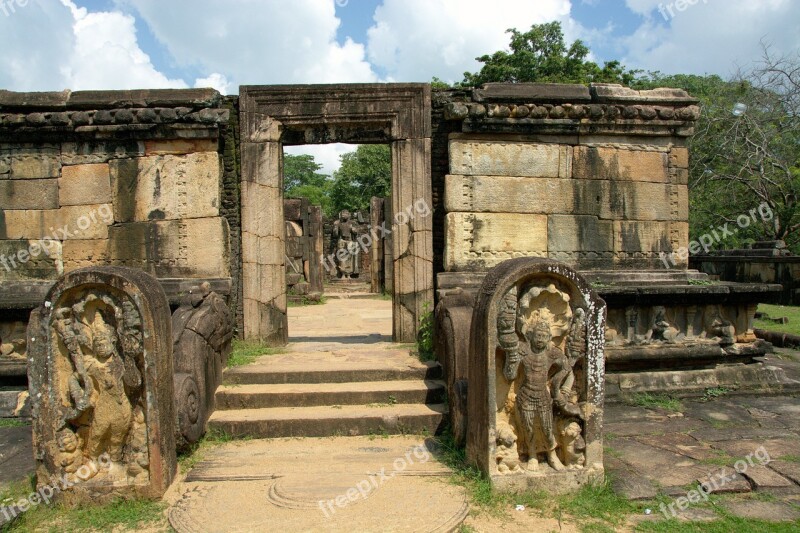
139	467
572	444
662	331
69	446
507	455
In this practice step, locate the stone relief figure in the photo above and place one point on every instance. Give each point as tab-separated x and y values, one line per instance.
13	341
103	342
544	342
662	331
719	328
347	251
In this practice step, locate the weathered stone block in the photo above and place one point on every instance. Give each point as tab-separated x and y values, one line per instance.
85	184
80	253
70	222
679	157
41	166
481	158
579	235
480	241
596	163
29	194
24	259
649	239
536	378
194	248
180	146
101	364
5	165
166	187
642	201
487	194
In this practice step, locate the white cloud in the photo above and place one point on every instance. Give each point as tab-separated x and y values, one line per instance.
327	155
710	36
215	81
53	46
414	40
256	41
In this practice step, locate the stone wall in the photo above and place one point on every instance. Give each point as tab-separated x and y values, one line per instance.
595	177
127	178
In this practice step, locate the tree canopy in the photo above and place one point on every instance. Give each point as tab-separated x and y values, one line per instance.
542	55
364	173
302	179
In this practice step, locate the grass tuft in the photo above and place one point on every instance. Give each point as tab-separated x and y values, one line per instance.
655	401
246	352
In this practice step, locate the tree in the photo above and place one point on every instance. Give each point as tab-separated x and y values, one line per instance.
364	173
302	179
745	159
541	55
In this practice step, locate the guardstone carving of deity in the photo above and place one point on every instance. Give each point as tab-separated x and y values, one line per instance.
101	369
537	387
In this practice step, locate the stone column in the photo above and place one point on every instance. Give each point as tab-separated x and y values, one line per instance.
263	242
412	235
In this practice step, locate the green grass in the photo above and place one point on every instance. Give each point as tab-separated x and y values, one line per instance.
726	524
245	352
305	301
425	334
196	453
778	311
13	423
714	392
127	514
655	401
790	458
701	282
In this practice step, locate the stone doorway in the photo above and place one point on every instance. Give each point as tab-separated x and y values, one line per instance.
277	115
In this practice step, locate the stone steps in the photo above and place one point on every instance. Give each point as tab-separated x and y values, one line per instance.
326	421
327	388
231	397
269	374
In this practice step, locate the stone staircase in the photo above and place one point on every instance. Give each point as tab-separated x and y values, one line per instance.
332	389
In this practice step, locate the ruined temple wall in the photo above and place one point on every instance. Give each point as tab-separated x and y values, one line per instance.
595	177
127	178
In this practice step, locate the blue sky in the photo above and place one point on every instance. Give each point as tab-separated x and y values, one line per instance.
123	44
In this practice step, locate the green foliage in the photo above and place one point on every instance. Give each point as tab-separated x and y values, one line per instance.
13	423
541	55
364	173
655	401
246	352
302	179
713	393
739	162
425	334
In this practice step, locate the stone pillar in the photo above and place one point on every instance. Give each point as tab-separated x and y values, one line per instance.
536	378
101	376
376	250
263	242
412	235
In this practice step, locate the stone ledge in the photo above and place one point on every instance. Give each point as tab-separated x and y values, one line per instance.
532	92
110	99
30	294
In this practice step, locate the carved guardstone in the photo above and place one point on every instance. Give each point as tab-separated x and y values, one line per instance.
101	382
202	329
536	378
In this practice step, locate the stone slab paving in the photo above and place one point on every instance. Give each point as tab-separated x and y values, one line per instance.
16	455
746	447
330	484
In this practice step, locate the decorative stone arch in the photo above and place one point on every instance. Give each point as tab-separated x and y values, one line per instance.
497	314
271	116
